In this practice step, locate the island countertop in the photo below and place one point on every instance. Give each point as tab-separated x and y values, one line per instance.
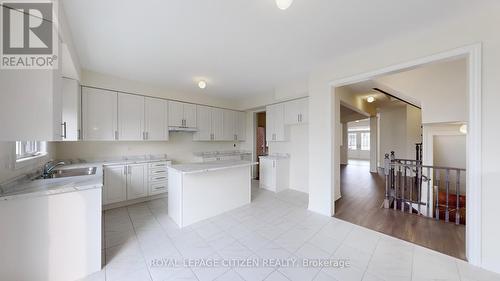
192	168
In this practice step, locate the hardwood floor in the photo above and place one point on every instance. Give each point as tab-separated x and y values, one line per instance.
362	198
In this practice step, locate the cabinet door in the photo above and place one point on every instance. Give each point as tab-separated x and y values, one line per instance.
217	124
228	125
99	110
175	114
303	109
71	107
130	117
190	115
204	116
241	126
156	119
268	175
269	123
292	115
137	186
115	184
279	122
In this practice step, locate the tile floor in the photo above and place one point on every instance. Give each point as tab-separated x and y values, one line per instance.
272	226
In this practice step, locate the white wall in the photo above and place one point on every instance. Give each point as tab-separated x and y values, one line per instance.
7	156
179	148
393	131
479	26
450	151
297	147
434	85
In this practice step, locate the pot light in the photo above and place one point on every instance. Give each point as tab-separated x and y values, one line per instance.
284	4
370	99
202	84
463	129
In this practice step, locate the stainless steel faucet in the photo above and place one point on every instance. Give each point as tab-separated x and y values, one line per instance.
49	167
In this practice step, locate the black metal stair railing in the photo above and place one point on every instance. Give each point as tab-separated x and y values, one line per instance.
411	186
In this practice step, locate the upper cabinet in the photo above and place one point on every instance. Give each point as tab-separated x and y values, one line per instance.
275	123
130	117
216	124
296	112
71	110
156	119
99	114
181	114
210	124
241	126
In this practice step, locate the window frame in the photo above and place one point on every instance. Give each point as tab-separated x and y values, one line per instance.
23	157
365	148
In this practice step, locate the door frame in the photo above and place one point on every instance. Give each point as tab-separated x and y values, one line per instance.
473	54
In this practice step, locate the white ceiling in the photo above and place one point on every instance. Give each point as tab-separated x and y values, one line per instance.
241	47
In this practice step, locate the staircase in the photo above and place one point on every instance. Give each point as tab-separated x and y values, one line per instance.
423	190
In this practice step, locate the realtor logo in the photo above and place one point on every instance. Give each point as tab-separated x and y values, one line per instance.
28	41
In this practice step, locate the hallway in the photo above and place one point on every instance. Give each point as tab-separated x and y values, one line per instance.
362	197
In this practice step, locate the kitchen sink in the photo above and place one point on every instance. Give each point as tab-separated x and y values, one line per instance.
63	173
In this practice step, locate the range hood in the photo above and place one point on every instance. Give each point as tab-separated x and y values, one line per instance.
182	129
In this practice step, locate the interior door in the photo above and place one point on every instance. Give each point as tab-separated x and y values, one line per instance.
136	181
99	110
130	117
156	119
115	183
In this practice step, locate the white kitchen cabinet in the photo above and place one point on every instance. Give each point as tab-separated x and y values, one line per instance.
71	109
210	124
156	119
241	126
229	125
115	184
99	114
274	173
275	123
130	117
137	184
296	112
181	114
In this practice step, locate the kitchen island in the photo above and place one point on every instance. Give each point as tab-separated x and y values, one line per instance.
200	191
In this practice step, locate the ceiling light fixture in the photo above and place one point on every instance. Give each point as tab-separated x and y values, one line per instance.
202	84
284	4
370	99
463	129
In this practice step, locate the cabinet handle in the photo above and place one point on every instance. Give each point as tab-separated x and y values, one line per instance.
274	164
116	135
147	135
298	118
65	135
79	134
125	170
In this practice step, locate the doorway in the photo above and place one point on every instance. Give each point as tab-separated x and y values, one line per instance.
261	148
471	56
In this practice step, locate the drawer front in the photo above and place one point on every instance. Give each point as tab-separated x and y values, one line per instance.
161	164
158	171
157	188
157	178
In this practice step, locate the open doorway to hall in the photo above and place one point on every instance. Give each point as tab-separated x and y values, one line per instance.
418	118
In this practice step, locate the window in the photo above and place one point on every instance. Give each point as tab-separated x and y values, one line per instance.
365	141
352	144
29	149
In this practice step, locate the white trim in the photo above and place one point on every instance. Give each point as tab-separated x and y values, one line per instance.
474	137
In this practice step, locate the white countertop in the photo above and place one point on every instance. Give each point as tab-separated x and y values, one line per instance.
275	157
44	187
210	166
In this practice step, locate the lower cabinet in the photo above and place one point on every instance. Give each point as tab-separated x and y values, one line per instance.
274	173
115	184
133	181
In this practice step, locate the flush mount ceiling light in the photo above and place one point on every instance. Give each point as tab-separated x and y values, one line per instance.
284	4
202	84
370	99
463	129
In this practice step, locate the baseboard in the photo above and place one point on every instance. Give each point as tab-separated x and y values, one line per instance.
133	201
